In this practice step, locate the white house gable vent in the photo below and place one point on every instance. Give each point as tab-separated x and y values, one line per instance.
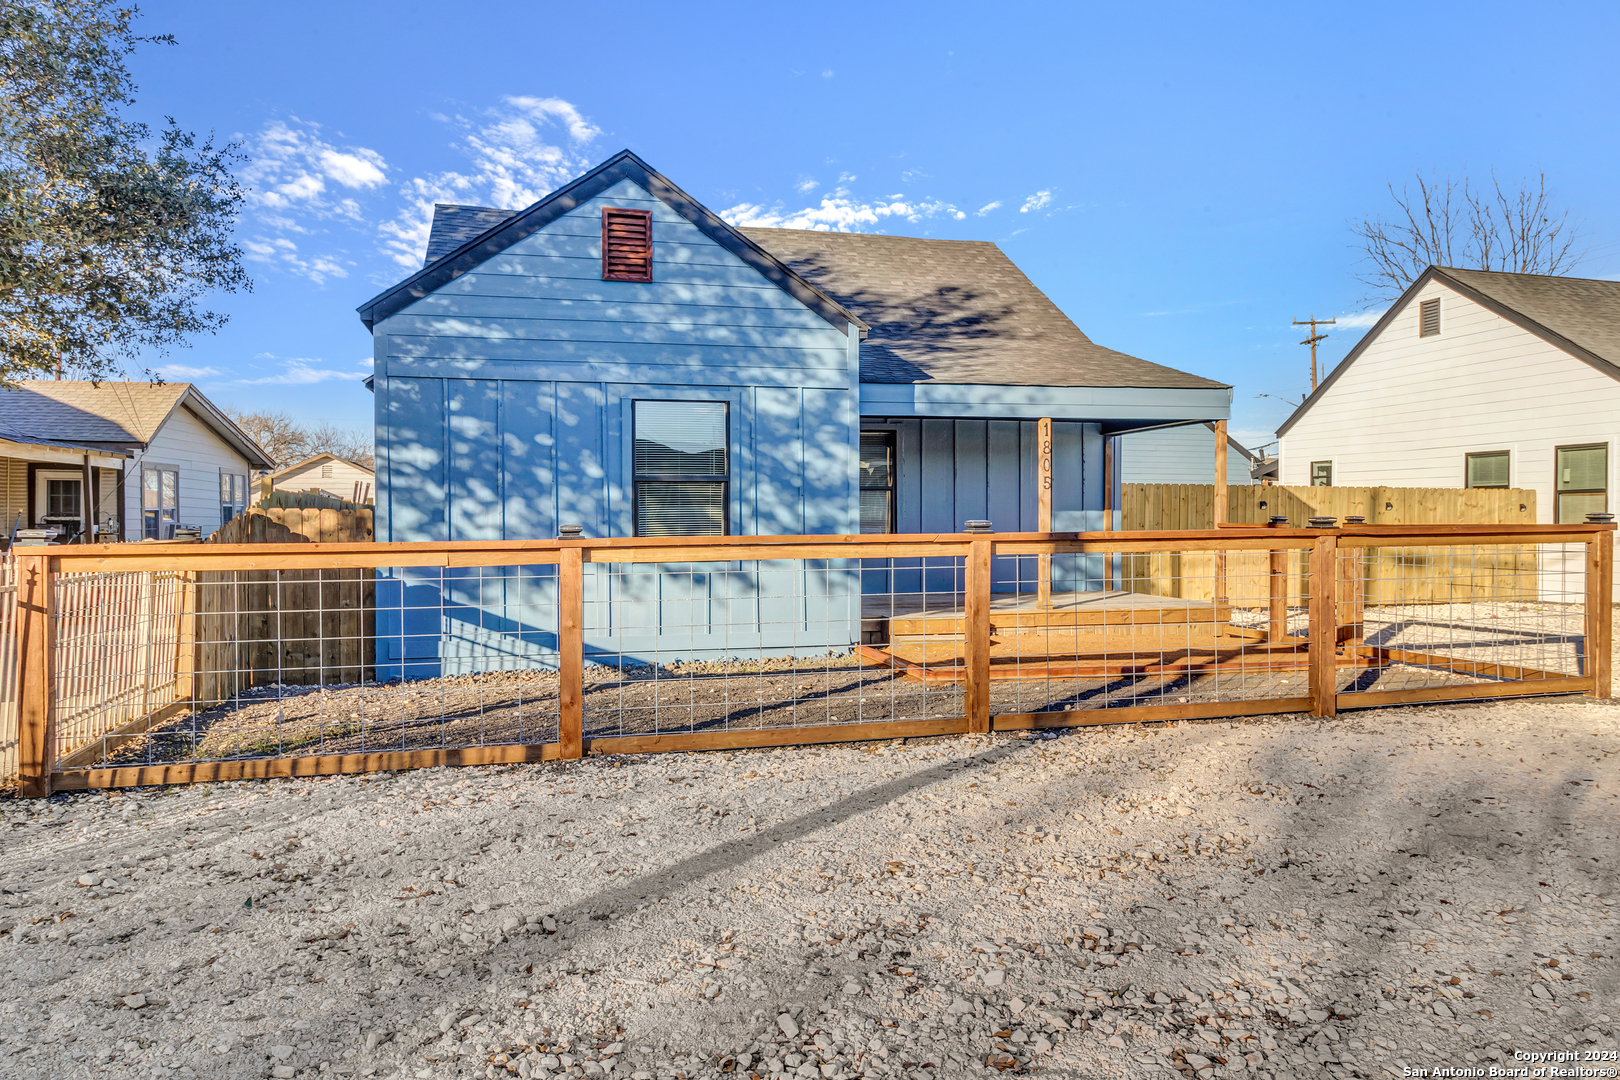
1429	317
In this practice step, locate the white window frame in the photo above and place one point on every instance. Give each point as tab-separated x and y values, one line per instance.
140	497
41	476
239	494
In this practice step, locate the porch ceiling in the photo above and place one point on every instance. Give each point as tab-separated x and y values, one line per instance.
58	453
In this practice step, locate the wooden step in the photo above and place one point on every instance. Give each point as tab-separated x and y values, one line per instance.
1123	642
950	622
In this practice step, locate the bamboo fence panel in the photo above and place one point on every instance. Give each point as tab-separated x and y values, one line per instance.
1405	575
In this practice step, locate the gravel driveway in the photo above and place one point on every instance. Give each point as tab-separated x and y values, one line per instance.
1283	897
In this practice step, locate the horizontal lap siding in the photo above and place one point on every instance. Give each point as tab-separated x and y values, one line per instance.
191	447
1178	455
1409	409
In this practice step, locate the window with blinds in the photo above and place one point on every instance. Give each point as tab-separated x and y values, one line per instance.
1429	317
877	481
1488	470
626	244
681	467
1582	483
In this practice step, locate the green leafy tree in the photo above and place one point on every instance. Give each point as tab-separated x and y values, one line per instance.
111	234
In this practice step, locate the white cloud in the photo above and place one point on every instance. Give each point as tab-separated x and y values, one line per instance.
290	164
511	162
839	211
805	187
987	207
1038	201
182	373
827	74
1361	319
301	371
282	252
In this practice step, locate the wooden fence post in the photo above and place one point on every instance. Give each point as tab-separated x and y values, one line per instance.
976	636
571	652
1599	610
36	734
1324	640
1277	595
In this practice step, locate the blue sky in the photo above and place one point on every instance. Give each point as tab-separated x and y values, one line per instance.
1179	179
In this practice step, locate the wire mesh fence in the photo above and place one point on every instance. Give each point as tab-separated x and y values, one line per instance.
197	664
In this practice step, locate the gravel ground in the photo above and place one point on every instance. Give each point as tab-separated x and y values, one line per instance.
1283	897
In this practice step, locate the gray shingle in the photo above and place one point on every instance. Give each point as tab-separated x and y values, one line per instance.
455	225
109	414
955	311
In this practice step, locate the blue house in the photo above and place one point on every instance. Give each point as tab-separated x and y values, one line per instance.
618	357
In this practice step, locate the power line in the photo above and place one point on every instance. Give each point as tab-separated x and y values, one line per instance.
1313	322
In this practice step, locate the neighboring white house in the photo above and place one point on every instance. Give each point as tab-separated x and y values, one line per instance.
1474	379
153	455
1179	455
329	475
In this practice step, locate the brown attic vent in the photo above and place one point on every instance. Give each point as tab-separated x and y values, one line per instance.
626	244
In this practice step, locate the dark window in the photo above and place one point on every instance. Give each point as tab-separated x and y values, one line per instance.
1429	317
160	502
1321	474
877	481
1582	485
626	244
681	468
1489	470
62	499
232	495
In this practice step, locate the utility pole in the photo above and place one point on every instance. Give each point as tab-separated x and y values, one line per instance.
1313	322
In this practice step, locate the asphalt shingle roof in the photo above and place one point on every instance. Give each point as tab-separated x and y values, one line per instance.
115	414
956	311
455	225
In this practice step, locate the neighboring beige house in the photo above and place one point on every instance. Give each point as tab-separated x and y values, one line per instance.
1179	455
1474	379
120	460
329	475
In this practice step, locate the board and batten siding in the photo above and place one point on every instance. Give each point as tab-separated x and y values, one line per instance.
1178	455
187	445
504	405
948	472
1409	409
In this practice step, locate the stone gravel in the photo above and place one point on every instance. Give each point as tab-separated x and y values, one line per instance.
1280	897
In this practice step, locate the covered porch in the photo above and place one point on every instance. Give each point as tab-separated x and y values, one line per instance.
56	485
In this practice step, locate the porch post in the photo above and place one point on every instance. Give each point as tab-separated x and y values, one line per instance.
1108	508
1220	505
1043	520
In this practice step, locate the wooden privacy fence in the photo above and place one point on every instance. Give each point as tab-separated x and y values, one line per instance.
1411	576
532	651
293	627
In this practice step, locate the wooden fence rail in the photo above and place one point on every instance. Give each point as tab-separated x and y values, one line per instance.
1323	641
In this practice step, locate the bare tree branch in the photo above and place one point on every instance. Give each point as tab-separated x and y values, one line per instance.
1514	229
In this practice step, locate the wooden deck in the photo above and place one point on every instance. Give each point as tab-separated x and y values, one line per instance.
1076	634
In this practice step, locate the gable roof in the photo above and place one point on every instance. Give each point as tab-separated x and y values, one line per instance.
323	456
956	311
1581	316
624	165
115	416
